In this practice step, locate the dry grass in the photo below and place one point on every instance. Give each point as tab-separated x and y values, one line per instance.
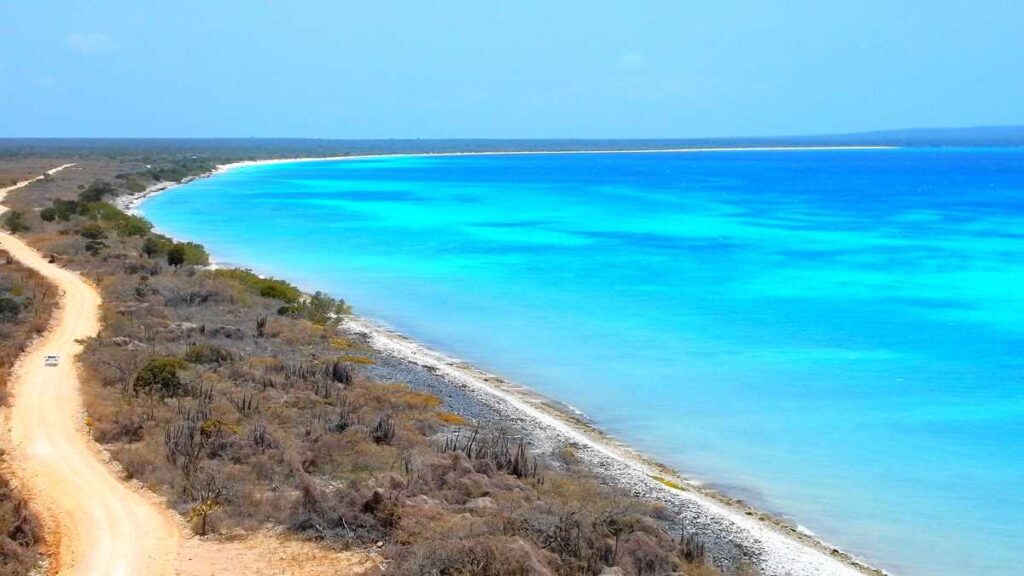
271	426
27	304
452	418
19	541
268	554
365	360
670	483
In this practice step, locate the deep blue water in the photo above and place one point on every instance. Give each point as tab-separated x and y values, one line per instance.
835	335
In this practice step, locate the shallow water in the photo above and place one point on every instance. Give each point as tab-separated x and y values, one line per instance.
835	335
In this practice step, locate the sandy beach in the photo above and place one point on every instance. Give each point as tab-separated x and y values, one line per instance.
602	289
130	202
736	530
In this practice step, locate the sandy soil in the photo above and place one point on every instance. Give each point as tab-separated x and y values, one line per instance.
94	522
268	554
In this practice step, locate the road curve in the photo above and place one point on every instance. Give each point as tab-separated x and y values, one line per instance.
94	523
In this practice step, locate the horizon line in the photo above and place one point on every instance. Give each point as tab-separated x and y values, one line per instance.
869	132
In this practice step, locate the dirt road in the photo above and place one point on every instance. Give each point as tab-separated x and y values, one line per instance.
94	523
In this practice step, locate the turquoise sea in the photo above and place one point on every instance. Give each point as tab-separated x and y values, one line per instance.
836	336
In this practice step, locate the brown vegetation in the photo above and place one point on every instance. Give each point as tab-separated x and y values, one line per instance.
26	301
237	399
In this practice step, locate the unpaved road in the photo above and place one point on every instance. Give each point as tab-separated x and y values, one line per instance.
94	523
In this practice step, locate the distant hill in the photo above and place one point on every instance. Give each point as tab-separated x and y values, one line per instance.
233	148
972	136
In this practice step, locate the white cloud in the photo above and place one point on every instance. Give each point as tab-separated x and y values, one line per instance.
631	62
92	43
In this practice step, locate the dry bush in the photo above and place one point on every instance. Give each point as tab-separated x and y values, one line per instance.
293	332
19	537
27	304
182	290
480	556
272	420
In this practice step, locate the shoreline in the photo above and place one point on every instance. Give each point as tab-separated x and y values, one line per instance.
775	546
130	202
736	530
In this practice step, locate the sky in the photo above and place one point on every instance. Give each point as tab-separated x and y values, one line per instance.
496	69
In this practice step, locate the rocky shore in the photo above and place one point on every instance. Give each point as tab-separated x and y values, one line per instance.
740	535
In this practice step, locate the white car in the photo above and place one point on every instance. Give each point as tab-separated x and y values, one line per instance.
51	360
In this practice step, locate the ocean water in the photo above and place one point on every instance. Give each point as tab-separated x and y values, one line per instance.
836	336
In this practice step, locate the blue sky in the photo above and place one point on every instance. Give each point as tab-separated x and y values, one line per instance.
433	68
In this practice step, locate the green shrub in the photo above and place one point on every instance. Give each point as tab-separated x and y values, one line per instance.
176	255
160	377
63	210
95	246
93	231
207	354
134	185
187	253
156	244
101	212
279	290
15	222
320	308
178	170
266	287
133	226
123	224
9	308
195	254
96	191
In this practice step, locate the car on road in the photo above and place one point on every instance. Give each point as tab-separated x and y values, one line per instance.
51	360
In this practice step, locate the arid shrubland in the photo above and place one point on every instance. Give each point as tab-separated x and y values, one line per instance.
26	303
236	398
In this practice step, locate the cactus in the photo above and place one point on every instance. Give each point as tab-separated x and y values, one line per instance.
498	449
246	404
260	437
691	546
384	431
